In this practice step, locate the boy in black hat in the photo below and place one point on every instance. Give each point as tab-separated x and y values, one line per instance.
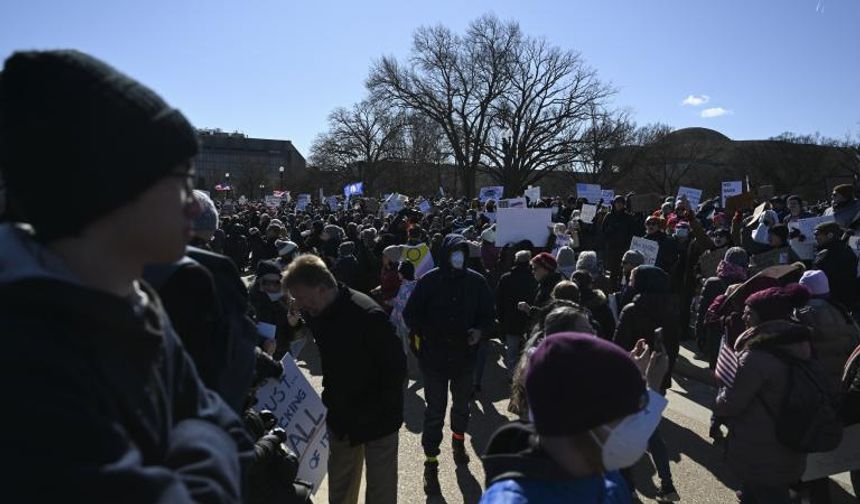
111	409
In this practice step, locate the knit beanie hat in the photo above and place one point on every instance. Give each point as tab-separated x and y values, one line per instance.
407	269
207	219
777	303
267	268
576	382
346	249
815	282
522	257
98	136
565	258
285	247
633	258
587	261
546	261
845	190
737	256
489	235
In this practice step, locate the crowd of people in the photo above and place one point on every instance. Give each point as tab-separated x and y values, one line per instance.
140	315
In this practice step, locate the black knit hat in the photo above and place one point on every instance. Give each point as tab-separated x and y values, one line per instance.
78	139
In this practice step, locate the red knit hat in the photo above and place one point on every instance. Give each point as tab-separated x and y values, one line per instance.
777	303
546	261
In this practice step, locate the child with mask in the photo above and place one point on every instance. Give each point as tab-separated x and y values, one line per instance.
582	435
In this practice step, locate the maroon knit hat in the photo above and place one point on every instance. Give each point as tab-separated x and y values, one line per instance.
777	303
546	261
576	382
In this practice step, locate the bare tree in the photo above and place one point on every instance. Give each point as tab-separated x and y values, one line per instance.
453	80
543	116
360	142
608	132
250	176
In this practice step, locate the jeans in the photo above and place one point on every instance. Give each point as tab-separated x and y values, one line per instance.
754	493
657	449
481	362
513	344
436	385
345	465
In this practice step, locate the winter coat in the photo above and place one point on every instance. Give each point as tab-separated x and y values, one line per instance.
363	367
111	407
275	313
839	263
845	214
262	249
368	267
519	471
445	304
667	253
835	334
515	286
712	288
618	230
851	389
545	287
346	271
598	304
753	451
236	248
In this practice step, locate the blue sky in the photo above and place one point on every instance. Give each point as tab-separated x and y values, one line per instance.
277	68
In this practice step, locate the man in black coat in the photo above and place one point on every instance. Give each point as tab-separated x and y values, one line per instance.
450	309
667	253
364	372
517	285
838	262
115	409
618	228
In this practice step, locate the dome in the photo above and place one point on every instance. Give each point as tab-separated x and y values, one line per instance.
697	135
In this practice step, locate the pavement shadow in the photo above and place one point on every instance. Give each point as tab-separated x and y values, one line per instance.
680	440
494	383
413	408
469	486
700	393
484	421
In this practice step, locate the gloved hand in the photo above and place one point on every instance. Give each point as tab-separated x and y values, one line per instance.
266	367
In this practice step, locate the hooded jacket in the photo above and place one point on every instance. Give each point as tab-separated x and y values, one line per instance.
516	285
518	471
839	263
835	334
446	303
115	411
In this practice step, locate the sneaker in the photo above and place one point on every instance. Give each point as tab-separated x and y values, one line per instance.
667	493
460	455
431	479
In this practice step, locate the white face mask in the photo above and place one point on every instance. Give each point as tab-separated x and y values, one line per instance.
628	440
457	259
274	296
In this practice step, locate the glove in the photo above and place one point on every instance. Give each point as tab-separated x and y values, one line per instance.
266	367
254	424
270	422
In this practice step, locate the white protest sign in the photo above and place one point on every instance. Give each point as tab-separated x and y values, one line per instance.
591	192
332	203
516	224
424	206
648	249
243	200
491	193
303	201
845	458
732	188
607	195
532	193
512	203
273	201
300	412
393	203
694	196
805	249
588	213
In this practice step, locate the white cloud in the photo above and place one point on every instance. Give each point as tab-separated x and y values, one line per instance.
696	100
715	112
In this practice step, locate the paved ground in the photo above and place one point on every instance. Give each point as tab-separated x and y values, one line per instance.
699	473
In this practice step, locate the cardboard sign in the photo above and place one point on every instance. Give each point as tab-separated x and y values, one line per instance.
805	249
491	193
770	258
420	257
532	193
516	224
300	412
730	189
645	203
738	202
588	213
607	195
757	214
693	196
591	192
648	249
845	458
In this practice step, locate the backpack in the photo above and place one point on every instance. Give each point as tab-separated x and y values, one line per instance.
808	420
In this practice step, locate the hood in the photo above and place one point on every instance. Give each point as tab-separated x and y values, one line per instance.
513	453
650	279
782	334
451	243
22	258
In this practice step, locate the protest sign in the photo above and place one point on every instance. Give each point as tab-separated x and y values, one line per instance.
757	214
845	458
393	203
532	193
516	224
303	201
645	203
805	249
730	189
272	201
738	202
300	412
420	258
588	213
332	203
266	330
648	249
591	192
424	206
243	200
694	196
491	193
512	203
353	189
607	195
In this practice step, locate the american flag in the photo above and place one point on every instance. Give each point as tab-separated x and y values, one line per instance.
223	187
727	363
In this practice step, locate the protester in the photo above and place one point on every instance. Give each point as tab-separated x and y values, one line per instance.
516	286
450	309
838	262
796	211
597	304
844	205
77	322
618	228
363	376
733	269
582	433
407	284
667	253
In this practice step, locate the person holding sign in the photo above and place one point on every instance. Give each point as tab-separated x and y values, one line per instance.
618	227
364	371
667	253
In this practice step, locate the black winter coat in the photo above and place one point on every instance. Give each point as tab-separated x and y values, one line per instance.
346	271
667	253
515	286
618	230
363	366
639	320
545	287
839	263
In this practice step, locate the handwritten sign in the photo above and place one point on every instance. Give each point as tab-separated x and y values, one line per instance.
303	201
300	412
532	193
648	249
424	206
693	196
588	213
805	249
591	192
516	224
607	195
491	193
732	188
